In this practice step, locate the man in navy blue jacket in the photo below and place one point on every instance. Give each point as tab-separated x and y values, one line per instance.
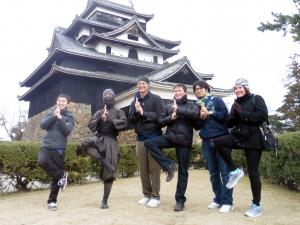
143	114
213	114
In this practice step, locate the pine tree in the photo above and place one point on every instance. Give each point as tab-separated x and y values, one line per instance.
291	104
286	23
290	110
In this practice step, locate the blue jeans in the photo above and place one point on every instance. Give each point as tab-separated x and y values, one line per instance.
219	174
155	145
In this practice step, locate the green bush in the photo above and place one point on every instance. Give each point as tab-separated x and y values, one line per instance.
282	167
77	164
18	161
128	165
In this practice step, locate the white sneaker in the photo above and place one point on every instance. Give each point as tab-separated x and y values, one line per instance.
234	177
144	201
153	203
213	205
254	211
226	208
52	206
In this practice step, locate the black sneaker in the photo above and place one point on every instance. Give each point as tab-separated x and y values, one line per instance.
179	206
62	183
170	172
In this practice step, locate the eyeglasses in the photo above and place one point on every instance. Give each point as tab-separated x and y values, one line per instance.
199	88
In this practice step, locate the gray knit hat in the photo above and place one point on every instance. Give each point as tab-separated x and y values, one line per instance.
109	91
242	82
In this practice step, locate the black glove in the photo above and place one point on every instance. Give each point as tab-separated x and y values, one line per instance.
236	107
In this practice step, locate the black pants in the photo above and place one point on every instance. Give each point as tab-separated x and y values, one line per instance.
52	161
224	144
154	146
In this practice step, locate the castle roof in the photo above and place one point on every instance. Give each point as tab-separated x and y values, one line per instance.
66	45
169	70
78	73
78	21
115	6
110	36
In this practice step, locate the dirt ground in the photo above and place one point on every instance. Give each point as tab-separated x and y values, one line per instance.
79	204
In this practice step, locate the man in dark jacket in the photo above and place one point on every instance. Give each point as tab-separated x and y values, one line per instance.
179	118
106	124
143	114
58	122
213	115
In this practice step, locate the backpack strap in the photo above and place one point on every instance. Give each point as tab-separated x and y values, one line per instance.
253	101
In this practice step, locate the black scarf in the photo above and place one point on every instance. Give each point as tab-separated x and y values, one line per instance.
244	97
182	100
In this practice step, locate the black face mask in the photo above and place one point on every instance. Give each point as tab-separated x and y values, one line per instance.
109	102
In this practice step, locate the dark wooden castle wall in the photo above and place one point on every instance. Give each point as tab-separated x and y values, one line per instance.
80	89
43	97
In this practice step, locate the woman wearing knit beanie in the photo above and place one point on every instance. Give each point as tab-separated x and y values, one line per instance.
247	113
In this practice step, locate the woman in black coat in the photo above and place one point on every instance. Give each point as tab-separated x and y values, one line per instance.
247	113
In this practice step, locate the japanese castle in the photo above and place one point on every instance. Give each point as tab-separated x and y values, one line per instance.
108	46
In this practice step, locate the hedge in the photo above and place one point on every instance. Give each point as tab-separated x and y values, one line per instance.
19	168
283	167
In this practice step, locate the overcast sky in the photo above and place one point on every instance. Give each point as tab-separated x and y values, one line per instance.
218	37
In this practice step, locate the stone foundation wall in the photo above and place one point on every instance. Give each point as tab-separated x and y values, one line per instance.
82	114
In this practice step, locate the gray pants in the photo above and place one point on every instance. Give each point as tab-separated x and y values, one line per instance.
149	171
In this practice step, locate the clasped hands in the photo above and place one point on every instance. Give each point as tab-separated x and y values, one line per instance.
175	107
204	113
138	107
104	115
56	113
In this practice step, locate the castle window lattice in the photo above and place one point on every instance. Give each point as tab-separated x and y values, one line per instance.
133	54
108	18
133	37
108	50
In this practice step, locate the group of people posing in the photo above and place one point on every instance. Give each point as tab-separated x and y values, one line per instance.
207	114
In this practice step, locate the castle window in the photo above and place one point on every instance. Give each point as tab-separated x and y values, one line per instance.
155	59
133	54
133	37
108	18
108	50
